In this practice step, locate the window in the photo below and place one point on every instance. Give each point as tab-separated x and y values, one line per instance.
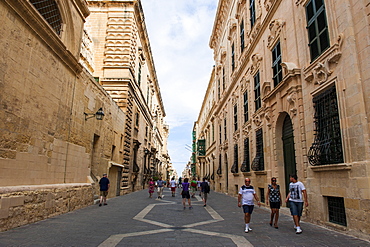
223	79
232	57
245	97
139	75
262	194
219	170
235	167
220	134
242	36
218	89
252	11
246	163
258	163
225	127
276	65
337	212
213	132
137	119
50	11
257	91
327	146
317	28
235	117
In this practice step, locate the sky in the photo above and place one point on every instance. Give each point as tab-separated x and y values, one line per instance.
179	33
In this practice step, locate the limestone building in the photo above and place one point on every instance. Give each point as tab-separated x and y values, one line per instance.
60	129
124	66
289	93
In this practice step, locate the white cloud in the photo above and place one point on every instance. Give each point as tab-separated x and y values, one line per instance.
179	33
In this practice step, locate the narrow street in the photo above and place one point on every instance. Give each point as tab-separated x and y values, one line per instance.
136	220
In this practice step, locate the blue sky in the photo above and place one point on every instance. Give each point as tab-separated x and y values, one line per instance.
179	33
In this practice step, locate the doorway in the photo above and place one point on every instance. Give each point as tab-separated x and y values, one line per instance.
289	151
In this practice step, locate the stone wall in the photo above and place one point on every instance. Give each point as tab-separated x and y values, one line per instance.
21	205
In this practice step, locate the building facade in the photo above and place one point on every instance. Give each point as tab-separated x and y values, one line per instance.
289	94
60	128
124	66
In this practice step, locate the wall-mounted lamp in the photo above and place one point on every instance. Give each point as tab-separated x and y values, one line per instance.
99	114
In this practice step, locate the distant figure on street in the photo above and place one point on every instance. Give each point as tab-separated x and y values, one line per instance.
296	189
185	193
193	185
246	199
173	186
180	182
104	187
160	186
198	186
151	187
273	196
204	190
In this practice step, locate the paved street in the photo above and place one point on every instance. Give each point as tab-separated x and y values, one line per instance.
136	220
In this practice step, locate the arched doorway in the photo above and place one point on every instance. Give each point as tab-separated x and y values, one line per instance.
288	150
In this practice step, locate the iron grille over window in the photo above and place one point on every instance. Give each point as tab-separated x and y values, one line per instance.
50	11
337	212
235	167
246	166
276	65
317	28
258	163
327	146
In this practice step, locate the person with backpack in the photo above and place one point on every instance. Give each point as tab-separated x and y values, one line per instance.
205	189
193	185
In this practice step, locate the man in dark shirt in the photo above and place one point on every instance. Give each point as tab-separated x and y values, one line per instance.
104	187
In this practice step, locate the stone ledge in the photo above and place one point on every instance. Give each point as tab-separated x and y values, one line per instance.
336	167
11	189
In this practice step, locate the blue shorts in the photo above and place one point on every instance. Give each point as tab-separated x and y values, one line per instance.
248	209
296	208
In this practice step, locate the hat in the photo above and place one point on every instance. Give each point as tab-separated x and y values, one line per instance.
104	174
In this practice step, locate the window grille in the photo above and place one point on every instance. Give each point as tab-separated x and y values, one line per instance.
252	11
257	91
235	167
337	212
317	28
327	146
50	11
262	194
246	117
258	162
223	78
276	65
246	163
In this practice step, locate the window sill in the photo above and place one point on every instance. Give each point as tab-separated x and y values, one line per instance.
247	174
236	174
335	167
260	172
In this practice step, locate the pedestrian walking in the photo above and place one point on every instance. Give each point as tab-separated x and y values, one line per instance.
104	187
151	187
160	185
180	182
246	197
296	190
273	196
185	194
198	186
193	185
173	186
204	190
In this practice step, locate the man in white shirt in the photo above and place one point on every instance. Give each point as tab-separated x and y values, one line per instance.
296	189
173	186
246	197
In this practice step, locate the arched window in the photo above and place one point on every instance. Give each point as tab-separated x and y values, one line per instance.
50	11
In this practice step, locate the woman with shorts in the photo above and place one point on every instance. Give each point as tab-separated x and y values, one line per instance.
185	193
273	197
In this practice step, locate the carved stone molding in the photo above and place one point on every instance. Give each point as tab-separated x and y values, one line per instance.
320	71
232	27
275	30
292	98
257	119
236	136
247	129
267	116
266	88
268	4
244	84
256	61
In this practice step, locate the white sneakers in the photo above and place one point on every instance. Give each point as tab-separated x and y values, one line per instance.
247	229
